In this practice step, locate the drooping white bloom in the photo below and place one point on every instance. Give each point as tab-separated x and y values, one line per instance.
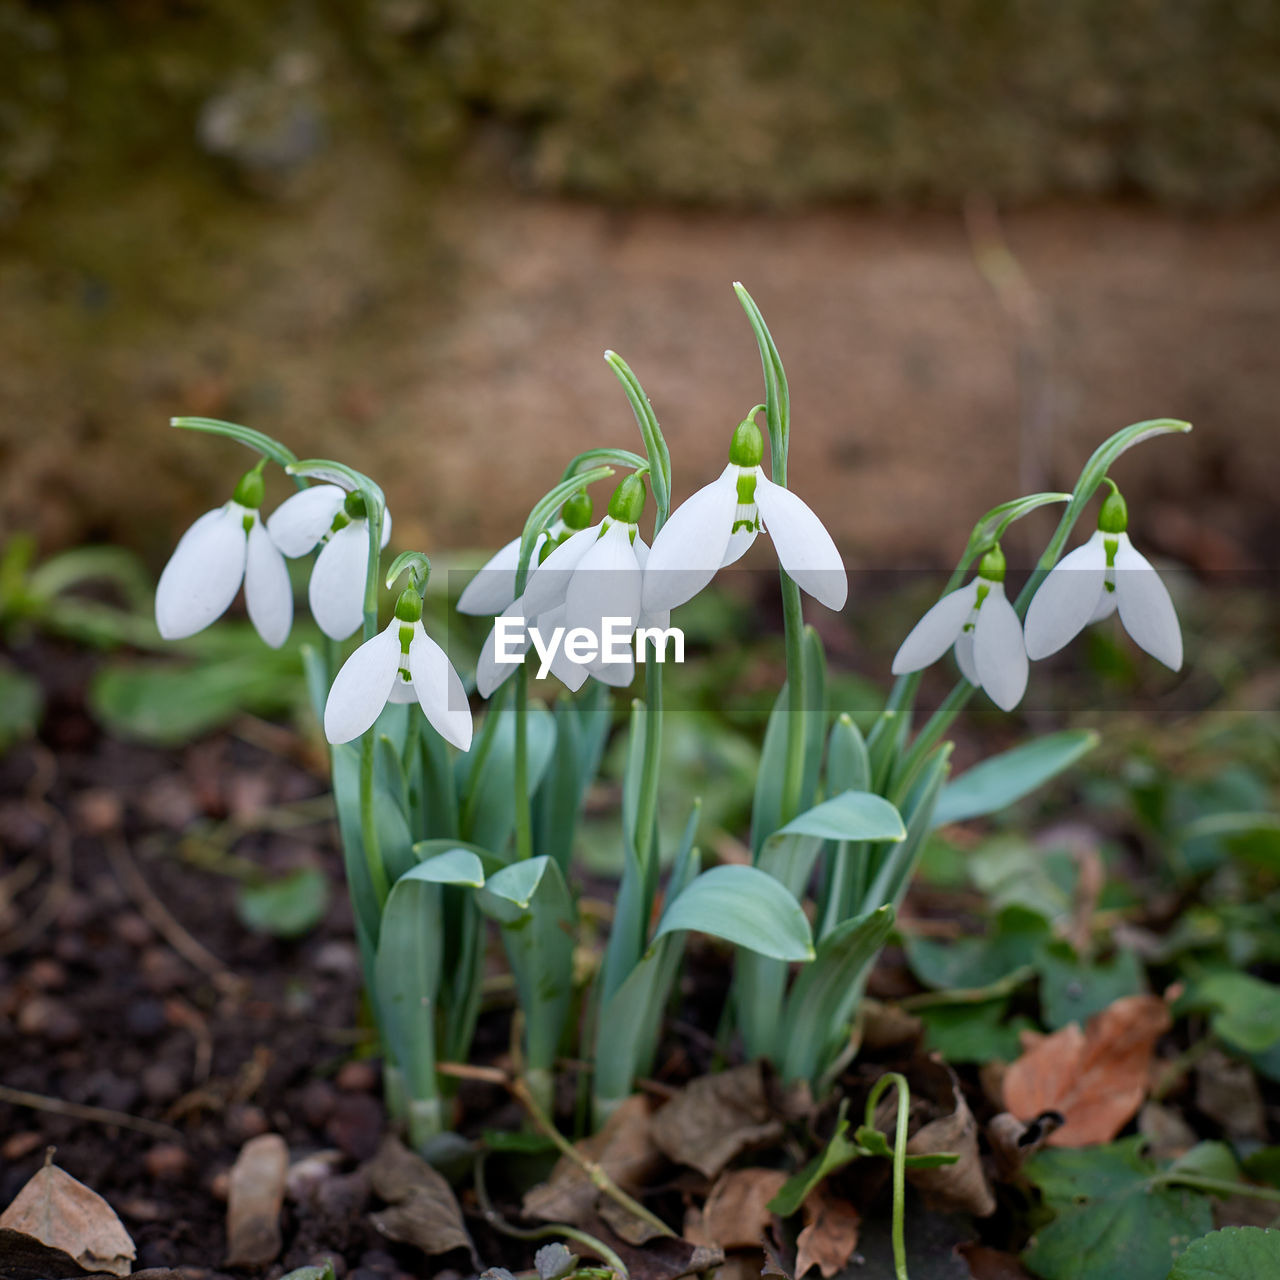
222	549
494	587
1105	575
980	624
594	575
328	514
400	664
717	524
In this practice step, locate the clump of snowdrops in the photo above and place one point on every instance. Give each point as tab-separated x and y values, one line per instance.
458	798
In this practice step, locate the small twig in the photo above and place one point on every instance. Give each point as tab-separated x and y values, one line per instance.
164	922
78	1111
499	1223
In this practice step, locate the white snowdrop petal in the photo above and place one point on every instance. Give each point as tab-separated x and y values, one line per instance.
362	687
739	544
203	574
1145	607
936	632
606	585
1106	604
999	654
386	529
1065	601
617	675
805	549
690	547
268	593
439	690
298	523
964	656
494	586
402	689
548	583
336	591
490	673
570	674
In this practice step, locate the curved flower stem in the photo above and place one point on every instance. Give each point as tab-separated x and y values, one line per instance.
524	820
899	1162
793	620
368	822
650	767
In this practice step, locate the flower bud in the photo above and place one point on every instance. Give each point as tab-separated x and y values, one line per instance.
746	449
992	565
409	606
251	490
354	507
1114	515
577	510
627	502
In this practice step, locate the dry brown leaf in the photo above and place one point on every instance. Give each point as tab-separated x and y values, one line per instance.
961	1187
663	1258
1227	1091
255	1196
829	1236
1014	1142
423	1210
64	1214
992	1264
1097	1078
737	1212
624	1149
716	1117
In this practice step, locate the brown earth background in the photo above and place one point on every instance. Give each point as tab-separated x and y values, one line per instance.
402	232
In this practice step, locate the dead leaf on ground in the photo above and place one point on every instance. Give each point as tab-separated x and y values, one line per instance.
1227	1092
423	1210
255	1196
716	1117
946	1126
64	1214
736	1214
1014	1142
829	1236
1097	1077
663	1258
992	1264
624	1149
1167	1133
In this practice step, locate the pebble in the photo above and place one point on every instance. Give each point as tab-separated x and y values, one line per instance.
337	959
133	929
161	970
107	1089
49	1019
379	1260
358	1076
355	1127
47	975
18	1145
317	1101
145	1018
167	1161
245	1122
98	811
220	1184
161	1082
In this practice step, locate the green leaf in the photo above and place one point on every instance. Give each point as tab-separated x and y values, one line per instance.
255	440
488	806
838	1153
848	764
973	1032
1073	990
1114	1222
312	1273
654	443
991	527
21	706
1234	1253
852	815
766	807
826	994
1244	1010
743	905
532	903
999	781
165	704
287	907
453	866
581	730
1015	939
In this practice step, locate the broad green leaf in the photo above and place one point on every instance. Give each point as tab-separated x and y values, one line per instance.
848	764
581	730
852	815
896	862
973	1032
815	716
1234	1253
1072	990
1244	1010
999	781
287	907
488	808
453	866
532	903
743	905
255	440
839	1152
21	705
822	1003
766	808
1114	1222
1208	1160
1014	940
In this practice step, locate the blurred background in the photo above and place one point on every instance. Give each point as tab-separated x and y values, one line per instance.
401	232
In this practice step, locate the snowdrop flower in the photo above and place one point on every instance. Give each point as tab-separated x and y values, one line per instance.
222	549
717	525
594	574
400	664
981	625
493	588
328	514
1096	580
